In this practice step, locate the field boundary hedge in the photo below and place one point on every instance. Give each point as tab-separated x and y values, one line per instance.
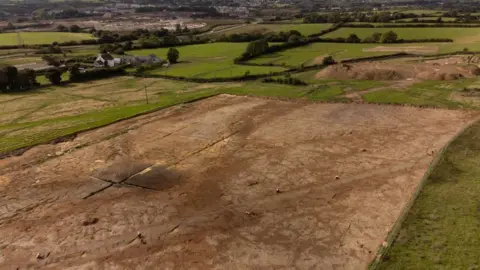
209	80
384	248
378	57
328	30
410	25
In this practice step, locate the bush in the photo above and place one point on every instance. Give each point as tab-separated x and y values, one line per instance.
328	60
74	28
98	73
173	55
389	37
54	75
287	80
353	39
52	60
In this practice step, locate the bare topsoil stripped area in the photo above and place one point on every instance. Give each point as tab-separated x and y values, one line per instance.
430	70
195	187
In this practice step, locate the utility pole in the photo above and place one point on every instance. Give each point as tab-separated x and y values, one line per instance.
146	93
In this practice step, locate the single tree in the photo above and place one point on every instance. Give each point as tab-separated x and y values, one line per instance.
74	28
293	39
173	55
10	26
389	37
328	60
178	28
11	73
128	45
51	60
54	75
74	72
62	28
376	37
353	39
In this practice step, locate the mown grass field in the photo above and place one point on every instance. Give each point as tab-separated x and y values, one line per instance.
305	29
445	19
41	37
442	228
422	11
460	35
207	61
20	60
441	94
314	53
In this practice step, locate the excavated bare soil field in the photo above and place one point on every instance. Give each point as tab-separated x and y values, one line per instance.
399	71
224	183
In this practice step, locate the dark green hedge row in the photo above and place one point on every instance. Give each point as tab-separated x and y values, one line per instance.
326	31
379	57
289	80
344	40
95	74
410	25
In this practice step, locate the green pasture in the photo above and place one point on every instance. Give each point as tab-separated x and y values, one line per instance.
445	19
442	228
305	29
314	53
40	37
440	94
422	11
207	61
19	60
459	35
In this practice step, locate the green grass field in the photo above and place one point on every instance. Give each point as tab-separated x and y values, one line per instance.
433	93
459	35
41	37
314	53
442	228
445	19
305	29
422	11
207	61
20	60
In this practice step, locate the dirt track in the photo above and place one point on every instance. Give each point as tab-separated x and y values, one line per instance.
206	197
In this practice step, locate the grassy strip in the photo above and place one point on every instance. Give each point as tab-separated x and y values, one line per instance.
19	135
429	93
441	229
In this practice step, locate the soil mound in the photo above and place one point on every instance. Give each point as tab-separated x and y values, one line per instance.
390	71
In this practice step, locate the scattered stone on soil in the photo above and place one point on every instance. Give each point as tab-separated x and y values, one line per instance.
90	221
41	256
384	71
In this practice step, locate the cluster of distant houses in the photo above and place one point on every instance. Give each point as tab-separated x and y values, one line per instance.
107	60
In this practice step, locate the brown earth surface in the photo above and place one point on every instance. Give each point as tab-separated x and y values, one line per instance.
398	71
195	187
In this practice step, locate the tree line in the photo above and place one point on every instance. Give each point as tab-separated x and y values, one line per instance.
261	46
13	80
384	17
344	17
